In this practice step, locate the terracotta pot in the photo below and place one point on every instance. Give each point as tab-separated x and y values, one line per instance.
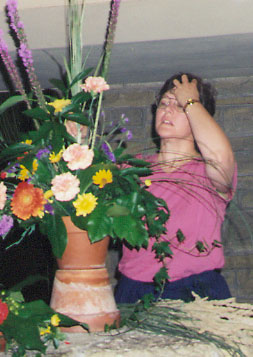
81	288
80	253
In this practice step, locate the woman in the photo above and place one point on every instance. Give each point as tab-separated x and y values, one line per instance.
195	173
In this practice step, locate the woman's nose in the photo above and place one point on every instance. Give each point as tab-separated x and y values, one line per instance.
169	107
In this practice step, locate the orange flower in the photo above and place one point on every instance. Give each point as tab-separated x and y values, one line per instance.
27	201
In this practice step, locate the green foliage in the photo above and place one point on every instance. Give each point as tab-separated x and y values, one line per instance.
160	278
162	250
30	326
180	236
200	246
10	102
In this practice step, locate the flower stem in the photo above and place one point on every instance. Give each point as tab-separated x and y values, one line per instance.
96	120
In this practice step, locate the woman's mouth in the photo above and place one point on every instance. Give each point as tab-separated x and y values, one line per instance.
167	122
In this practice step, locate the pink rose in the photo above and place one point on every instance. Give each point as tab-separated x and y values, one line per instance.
65	186
78	156
3	190
95	84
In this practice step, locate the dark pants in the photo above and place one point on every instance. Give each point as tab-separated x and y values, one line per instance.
209	284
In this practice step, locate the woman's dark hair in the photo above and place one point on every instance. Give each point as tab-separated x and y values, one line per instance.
207	94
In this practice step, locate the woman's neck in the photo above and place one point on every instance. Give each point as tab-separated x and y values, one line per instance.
171	157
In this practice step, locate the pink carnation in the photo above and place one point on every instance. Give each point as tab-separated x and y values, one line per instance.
65	186
78	156
3	190
95	84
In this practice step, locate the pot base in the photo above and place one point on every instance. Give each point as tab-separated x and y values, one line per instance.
86	296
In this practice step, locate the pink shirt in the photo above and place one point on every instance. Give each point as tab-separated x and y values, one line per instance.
197	210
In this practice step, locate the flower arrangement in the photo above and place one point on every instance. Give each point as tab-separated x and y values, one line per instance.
73	163
56	176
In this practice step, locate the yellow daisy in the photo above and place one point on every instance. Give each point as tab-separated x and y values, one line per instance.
148	182
48	194
85	204
44	331
24	173
102	178
27	141
55	157
59	104
35	166
40	214
55	320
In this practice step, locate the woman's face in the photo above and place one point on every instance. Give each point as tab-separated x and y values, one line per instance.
171	121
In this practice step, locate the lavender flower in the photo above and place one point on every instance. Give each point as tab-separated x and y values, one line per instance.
107	151
11	68
24	51
42	153
13	168
129	135
124	118
49	209
15	23
6	223
26	55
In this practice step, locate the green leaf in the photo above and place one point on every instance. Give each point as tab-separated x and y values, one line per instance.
37	113
97	223
147	300
81	97
200	246
117	210
133	160
58	83
162	249
27	161
58	133
10	102
180	236
55	229
23	327
78	118
130	229
161	277
13	151
140	171
217	244
24	331
42	173
37	311
129	201
81	76
42	133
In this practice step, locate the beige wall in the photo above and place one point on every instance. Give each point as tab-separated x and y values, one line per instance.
139	20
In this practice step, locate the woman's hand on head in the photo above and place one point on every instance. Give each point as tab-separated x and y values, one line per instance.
185	90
